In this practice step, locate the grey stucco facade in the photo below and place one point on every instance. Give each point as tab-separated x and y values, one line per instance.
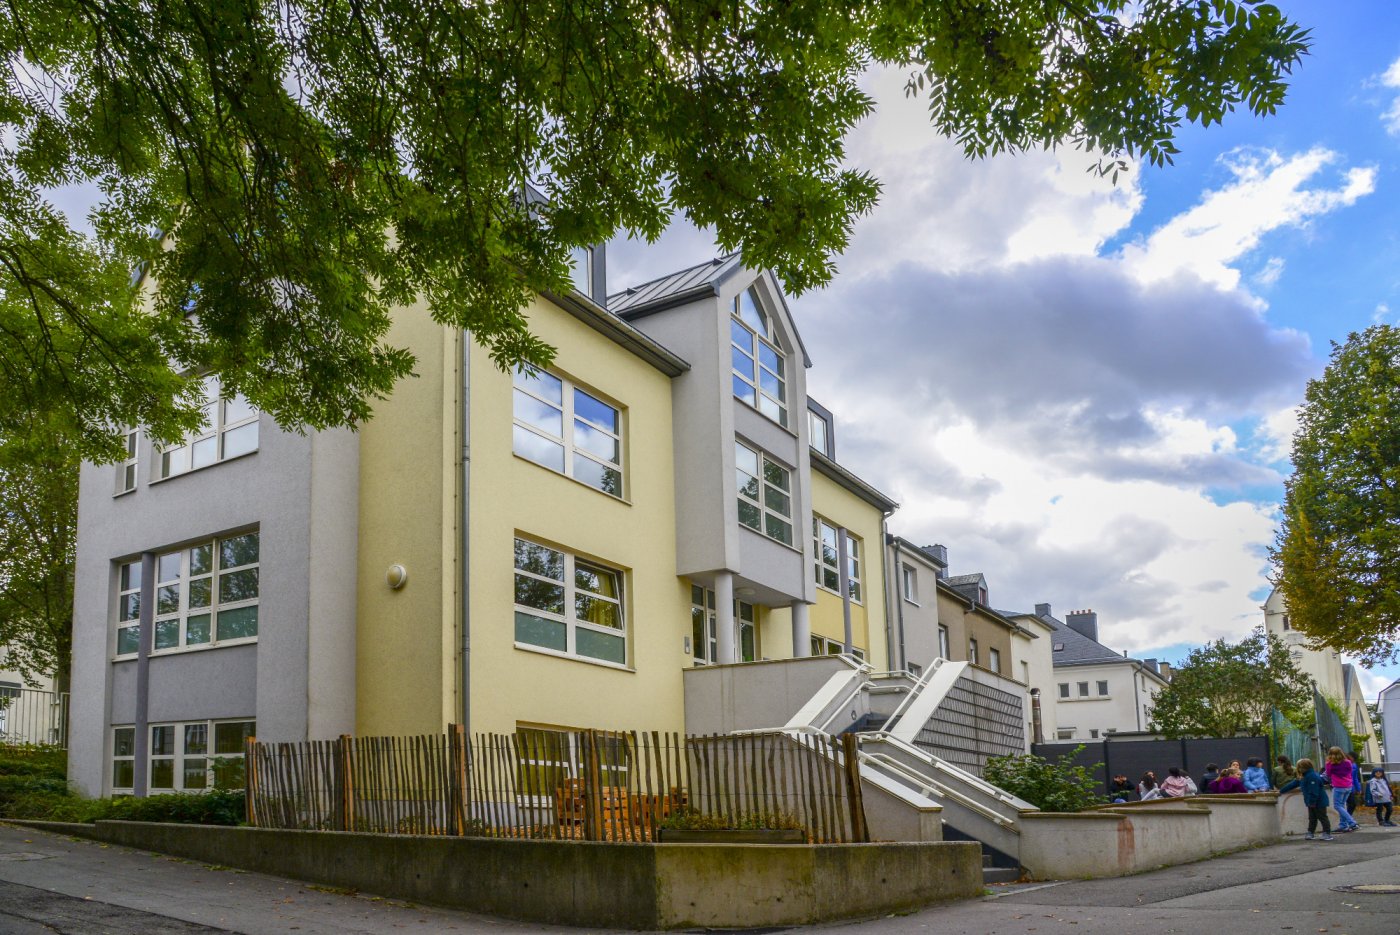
300	493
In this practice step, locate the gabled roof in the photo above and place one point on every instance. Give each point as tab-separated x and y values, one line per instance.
1072	648
975	578
674	288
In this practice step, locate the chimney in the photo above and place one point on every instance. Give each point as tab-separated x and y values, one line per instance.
1042	610
1152	664
1084	622
939	554
1166	671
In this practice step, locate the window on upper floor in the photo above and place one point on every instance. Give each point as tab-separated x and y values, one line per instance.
129	609
759	368
126	468
567	429
826	554
819	433
994	660
909	582
915	670
765	493
230	429
1103	689
972	652
944	643
1286	625
581	270
1064	689
568	605
1083	689
704	643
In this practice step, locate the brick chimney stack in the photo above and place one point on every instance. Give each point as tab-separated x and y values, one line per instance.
1084	622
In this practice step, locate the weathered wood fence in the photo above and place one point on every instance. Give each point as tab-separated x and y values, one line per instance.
587	785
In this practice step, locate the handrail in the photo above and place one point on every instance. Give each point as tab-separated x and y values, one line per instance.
935	789
858	685
943	766
919	684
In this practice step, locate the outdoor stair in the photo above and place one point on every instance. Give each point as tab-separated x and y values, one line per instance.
994	874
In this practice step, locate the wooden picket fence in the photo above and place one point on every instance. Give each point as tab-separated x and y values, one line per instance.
584	785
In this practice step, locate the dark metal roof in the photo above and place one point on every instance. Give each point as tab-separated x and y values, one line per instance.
975	578
673	288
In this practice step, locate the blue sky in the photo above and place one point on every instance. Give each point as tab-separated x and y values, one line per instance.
1086	390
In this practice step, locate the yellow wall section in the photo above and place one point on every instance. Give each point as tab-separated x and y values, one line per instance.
407	478
510	495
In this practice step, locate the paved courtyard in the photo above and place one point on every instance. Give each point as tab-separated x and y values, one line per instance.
50	883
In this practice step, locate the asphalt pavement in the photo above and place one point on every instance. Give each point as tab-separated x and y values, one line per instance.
54	884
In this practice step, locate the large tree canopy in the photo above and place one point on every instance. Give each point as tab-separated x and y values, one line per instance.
286	172
1338	548
1223	689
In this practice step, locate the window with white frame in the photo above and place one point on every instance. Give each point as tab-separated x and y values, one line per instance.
581	270
550	761
1083	689
825	545
821	646
704	644
129	608
994	660
972	652
123	758
765	493
1065	733
1064	689
568	605
910	577
206	595
853	566
230	429
759	368
1103	689
192	756
568	430
944	643
126	469
818	435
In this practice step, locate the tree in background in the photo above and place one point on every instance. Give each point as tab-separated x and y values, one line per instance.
282	174
38	520
1226	689
1337	551
1053	786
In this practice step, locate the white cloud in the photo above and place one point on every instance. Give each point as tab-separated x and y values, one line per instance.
1275	434
1267	192
1269	273
1381	313
1391	79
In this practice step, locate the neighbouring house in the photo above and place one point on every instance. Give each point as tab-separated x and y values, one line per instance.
1095	690
1032	656
1337	680
527	551
1388	706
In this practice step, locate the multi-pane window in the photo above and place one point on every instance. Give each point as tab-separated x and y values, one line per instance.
205	595
196	755
994	660
759	369
1103	688
910	577
568	430
123	757
567	604
703	640
230	429
765	494
550	761
821	646
826	549
129	609
126	469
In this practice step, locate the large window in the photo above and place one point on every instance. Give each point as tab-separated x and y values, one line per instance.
189	756
759	368
230	429
821	646
568	430
765	494
206	595
565	604
704	643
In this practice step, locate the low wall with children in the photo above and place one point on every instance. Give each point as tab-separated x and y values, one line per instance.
1116	840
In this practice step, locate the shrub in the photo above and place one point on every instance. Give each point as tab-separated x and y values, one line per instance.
1057	786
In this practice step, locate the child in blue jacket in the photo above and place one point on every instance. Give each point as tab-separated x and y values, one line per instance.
1315	798
1256	778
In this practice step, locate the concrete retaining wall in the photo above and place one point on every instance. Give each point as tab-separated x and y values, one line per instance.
1115	840
1293	814
586	883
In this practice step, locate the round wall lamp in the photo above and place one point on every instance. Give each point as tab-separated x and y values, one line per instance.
397	577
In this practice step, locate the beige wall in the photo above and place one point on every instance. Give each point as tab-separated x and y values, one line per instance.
1125	708
1034	654
964	625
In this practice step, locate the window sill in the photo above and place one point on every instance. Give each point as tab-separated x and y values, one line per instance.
123	493
822	587
778	542
588	660
912	602
573	480
203	467
182	650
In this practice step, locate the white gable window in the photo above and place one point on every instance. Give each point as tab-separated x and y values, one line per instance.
760	373
230	429
566	429
765	494
581	270
126	470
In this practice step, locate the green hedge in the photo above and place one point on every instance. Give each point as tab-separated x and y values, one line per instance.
34	785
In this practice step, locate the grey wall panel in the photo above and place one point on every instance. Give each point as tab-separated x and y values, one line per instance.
215	683
333	569
122	709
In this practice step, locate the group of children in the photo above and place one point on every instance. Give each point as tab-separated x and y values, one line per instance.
1344	777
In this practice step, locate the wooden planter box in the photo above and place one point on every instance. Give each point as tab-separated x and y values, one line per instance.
732	836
